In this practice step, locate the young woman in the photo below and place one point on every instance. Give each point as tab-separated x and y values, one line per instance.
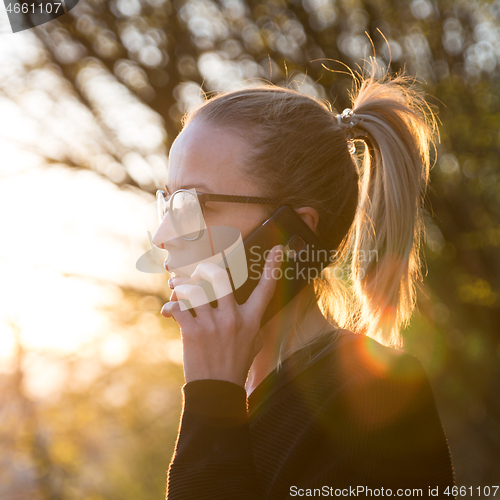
320	401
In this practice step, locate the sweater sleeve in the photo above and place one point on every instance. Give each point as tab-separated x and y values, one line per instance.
212	459
379	432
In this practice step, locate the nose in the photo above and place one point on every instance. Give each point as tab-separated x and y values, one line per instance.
165	234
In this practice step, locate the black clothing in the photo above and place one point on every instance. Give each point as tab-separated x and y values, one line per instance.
350	413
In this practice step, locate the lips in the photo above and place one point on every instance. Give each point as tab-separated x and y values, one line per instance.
177	280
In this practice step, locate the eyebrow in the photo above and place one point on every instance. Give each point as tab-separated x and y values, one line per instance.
202	186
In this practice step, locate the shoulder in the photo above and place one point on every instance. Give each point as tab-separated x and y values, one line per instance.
363	379
358	358
377	410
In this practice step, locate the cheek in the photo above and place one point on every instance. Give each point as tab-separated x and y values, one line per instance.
244	218
250	219
215	217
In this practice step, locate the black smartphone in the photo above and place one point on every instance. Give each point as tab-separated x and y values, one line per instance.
305	257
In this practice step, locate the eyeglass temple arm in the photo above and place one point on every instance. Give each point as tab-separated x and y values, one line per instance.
237	199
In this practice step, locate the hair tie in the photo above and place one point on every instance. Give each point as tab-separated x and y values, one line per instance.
348	113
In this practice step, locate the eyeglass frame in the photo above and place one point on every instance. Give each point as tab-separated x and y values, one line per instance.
204	198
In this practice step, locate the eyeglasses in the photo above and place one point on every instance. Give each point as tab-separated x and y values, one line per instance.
187	208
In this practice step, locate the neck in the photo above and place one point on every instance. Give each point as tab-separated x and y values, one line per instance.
298	322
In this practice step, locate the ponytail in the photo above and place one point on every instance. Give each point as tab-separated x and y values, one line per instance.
390	118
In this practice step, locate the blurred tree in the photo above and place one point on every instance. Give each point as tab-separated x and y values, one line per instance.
108	429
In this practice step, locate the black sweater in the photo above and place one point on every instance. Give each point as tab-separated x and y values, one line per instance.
346	413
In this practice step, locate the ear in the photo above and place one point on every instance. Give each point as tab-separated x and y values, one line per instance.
309	216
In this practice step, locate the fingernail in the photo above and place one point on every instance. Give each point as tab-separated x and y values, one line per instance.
170	283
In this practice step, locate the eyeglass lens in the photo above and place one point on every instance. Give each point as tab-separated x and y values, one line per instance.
186	213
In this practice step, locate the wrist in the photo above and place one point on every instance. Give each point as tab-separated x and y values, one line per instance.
215	399
224	373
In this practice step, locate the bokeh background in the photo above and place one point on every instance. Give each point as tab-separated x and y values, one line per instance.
90	373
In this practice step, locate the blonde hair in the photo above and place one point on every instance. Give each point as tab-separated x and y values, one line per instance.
368	204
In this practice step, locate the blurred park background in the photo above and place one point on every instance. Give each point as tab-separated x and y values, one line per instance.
90	373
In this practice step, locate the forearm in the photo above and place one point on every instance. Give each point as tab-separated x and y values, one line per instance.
213	457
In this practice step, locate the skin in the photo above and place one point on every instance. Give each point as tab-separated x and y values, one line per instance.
227	343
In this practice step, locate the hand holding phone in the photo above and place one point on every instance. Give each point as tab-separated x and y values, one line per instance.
221	343
304	258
